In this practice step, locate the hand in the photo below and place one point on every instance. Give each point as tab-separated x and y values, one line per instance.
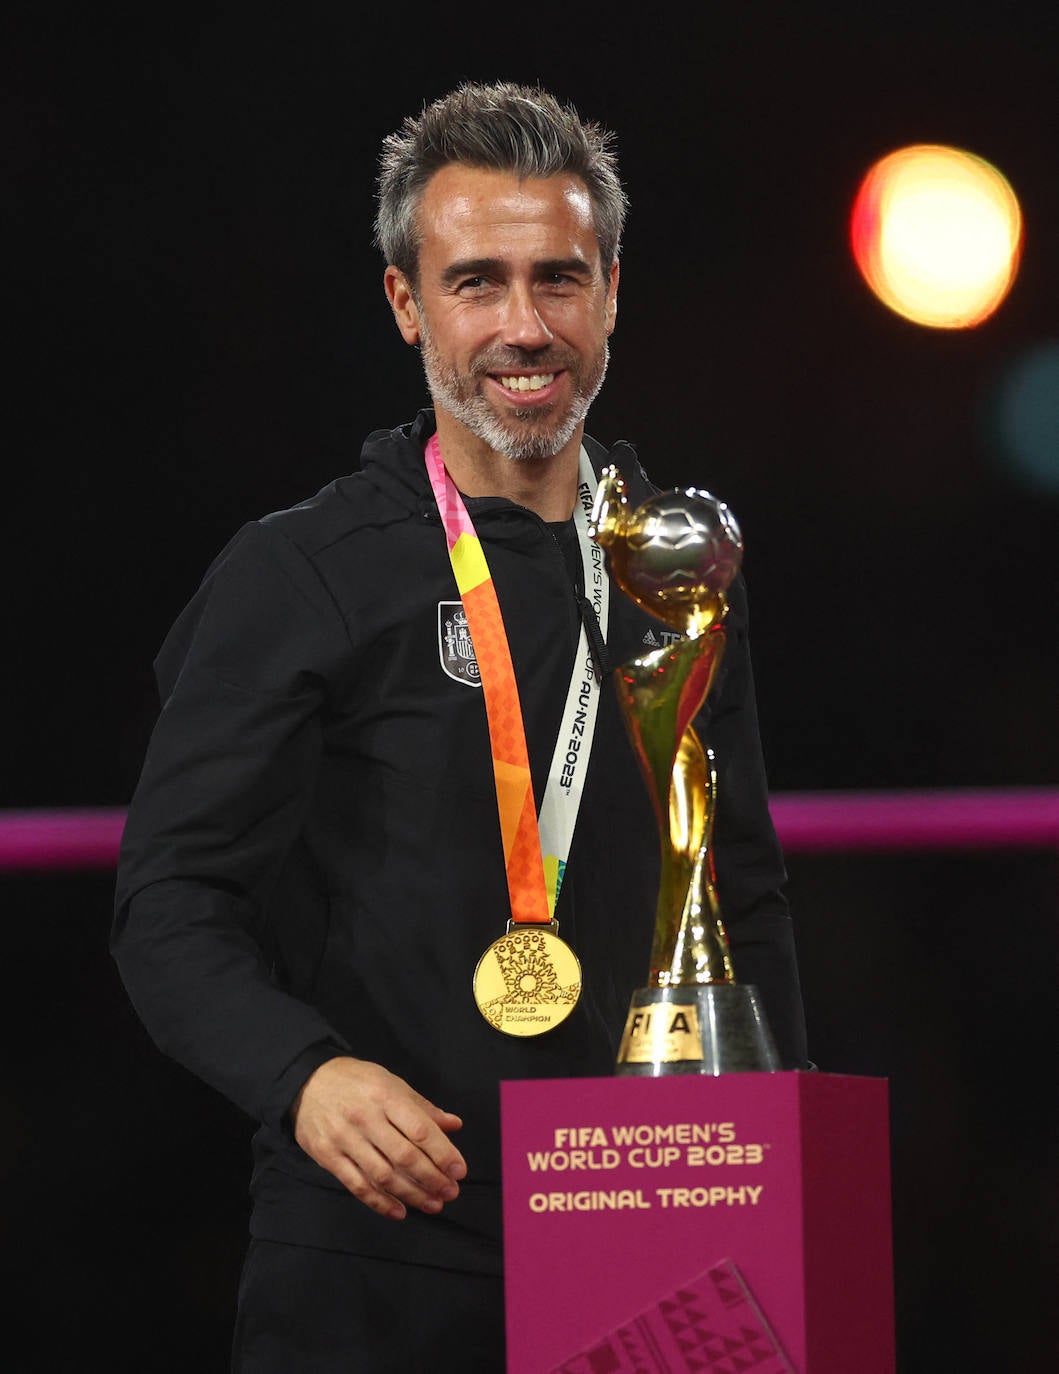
383	1141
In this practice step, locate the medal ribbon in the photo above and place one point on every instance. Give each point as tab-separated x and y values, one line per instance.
534	869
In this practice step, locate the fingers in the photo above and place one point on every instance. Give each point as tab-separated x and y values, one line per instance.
425	1129
385	1143
362	1188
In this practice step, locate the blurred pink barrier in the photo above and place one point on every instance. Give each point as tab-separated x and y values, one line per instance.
807	822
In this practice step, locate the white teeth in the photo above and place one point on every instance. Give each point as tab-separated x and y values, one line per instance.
527	383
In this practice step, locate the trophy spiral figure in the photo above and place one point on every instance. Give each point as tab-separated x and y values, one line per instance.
676	555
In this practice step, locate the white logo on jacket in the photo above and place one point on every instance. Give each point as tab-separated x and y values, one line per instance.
663	637
455	648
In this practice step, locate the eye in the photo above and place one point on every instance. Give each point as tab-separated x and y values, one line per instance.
560	283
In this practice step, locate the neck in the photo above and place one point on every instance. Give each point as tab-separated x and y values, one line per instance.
547	486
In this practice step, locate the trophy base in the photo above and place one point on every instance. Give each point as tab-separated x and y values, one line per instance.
708	1028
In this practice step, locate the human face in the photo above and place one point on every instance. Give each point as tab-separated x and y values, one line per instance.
512	310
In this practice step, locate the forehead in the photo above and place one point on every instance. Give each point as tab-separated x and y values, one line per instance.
481	212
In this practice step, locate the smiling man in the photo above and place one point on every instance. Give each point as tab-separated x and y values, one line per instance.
390	845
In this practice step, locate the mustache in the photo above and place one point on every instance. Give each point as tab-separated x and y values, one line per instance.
547	359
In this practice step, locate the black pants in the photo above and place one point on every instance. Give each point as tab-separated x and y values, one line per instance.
306	1311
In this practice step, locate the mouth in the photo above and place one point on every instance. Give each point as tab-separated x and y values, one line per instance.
522	382
522	385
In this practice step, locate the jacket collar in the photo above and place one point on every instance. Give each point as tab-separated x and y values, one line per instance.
392	460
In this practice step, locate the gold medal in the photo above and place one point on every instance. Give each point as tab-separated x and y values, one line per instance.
528	981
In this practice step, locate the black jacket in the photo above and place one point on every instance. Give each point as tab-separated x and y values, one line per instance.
312	860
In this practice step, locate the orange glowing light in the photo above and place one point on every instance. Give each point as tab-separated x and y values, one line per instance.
937	235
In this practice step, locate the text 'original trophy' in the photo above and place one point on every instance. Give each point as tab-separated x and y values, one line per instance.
676	555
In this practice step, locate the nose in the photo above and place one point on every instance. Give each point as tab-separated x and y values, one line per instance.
524	326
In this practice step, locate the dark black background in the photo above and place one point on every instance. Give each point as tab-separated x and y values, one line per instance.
198	335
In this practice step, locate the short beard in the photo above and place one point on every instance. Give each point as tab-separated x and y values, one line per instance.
525	436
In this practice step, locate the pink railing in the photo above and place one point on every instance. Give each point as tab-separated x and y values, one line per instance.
807	822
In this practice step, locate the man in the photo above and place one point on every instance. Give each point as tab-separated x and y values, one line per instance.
320	848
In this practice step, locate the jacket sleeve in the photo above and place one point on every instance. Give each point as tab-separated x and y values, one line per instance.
244	680
750	868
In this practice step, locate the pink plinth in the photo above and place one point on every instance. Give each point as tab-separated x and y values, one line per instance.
698	1223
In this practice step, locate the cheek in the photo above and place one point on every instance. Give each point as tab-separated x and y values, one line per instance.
466	334
580	324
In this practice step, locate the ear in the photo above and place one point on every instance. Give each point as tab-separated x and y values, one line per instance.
611	309
402	303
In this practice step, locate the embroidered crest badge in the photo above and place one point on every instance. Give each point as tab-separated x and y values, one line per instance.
454	644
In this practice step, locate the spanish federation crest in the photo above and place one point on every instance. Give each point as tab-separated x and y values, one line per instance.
454	644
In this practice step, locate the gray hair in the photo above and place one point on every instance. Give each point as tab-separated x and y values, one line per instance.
502	127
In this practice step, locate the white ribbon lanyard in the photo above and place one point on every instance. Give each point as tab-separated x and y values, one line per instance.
577	728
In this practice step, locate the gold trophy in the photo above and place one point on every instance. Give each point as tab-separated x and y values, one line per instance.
676	555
